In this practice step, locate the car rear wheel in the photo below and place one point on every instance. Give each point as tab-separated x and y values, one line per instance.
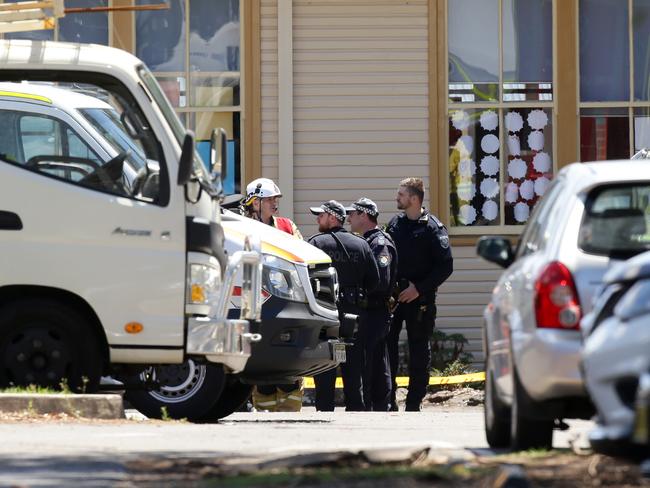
182	391
528	432
496	414
234	395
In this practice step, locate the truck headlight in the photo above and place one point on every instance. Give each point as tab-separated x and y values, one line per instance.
280	278
204	284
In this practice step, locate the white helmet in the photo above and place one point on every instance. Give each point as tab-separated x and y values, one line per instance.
261	188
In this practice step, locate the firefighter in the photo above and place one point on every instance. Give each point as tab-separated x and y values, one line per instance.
261	203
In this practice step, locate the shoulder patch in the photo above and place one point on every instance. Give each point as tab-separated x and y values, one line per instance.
384	261
444	241
436	221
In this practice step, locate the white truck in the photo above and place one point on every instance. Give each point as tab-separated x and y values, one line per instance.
111	247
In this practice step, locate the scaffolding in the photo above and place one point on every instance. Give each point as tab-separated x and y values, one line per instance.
39	15
30	15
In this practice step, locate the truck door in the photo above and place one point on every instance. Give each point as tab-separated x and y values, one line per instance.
94	223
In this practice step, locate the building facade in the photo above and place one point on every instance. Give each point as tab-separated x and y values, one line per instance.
484	99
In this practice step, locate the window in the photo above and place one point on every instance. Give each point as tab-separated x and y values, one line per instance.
501	135
615	222
193	49
614	74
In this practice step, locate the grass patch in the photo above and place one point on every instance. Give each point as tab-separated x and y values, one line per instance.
34	389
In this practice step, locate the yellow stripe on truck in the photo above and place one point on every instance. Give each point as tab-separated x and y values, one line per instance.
25	95
433	380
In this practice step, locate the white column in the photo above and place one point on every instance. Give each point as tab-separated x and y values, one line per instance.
285	106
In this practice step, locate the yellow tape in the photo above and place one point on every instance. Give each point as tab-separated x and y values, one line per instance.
433	380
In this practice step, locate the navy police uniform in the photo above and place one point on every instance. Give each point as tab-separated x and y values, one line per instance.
377	379
425	260
358	276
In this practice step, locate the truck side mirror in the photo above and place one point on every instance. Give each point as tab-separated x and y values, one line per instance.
218	153
186	162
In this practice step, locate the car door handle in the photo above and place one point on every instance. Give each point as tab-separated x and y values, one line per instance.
10	221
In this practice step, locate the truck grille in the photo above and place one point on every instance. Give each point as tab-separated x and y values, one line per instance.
325	285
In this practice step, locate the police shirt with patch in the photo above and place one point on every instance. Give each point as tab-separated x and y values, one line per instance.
385	253
352	258
424	251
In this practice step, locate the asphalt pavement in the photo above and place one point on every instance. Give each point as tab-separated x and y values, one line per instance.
97	453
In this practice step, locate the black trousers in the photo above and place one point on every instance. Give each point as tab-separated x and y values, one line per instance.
377	383
351	371
419	329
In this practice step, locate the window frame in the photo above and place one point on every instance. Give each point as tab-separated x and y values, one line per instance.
501	107
188	114
631	104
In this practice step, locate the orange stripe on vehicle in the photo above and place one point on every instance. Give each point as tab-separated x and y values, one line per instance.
278	251
270	248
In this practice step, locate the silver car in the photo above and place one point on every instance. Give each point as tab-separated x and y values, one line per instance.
587	220
616	356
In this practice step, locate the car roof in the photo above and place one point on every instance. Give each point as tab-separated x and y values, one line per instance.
26	54
583	176
65	99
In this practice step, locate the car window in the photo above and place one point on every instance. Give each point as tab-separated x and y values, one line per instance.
536	232
616	220
84	134
44	143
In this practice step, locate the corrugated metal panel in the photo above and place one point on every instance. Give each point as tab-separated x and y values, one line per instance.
360	101
269	69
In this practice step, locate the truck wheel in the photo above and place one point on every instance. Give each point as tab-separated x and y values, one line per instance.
528	432
185	391
46	343
234	395
496	414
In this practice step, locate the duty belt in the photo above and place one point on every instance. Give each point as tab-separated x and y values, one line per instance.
353	295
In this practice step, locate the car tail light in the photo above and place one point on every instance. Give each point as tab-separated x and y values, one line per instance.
557	304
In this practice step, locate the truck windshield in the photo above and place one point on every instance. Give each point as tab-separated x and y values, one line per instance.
107	123
174	122
616	220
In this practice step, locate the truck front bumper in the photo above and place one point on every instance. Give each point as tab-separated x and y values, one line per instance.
221	341
295	343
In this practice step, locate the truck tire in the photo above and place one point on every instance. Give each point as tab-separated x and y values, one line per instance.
496	414
234	395
528	432
49	344
186	391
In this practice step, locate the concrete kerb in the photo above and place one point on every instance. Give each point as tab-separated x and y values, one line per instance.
82	405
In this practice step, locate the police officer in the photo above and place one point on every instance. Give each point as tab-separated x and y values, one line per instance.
377	384
425	262
358	276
